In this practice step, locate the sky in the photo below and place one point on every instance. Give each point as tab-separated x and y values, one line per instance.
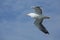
15	25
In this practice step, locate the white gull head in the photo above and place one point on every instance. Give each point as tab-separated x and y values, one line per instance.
33	15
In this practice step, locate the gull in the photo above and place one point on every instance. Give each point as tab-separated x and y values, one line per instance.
39	17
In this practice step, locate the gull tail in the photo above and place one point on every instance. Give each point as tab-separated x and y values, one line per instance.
46	17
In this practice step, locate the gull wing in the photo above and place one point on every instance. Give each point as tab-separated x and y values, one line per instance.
38	10
39	24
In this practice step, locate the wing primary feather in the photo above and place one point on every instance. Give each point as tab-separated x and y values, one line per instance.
40	26
38	10
43	29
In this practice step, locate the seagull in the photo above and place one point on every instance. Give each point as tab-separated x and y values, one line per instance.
39	17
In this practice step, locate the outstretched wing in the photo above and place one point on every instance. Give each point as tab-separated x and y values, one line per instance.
38	10
38	23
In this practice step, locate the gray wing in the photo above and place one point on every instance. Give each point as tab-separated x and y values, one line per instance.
38	10
39	24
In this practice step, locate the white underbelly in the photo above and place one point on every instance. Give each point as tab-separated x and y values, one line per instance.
38	17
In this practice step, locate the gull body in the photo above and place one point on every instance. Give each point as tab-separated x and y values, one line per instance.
39	19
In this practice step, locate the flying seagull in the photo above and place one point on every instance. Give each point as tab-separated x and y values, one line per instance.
39	19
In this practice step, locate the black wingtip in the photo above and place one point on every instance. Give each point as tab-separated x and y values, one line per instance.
47	33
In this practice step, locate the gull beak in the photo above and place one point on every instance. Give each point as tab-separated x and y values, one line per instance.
27	14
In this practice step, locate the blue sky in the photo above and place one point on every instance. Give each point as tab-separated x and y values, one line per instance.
15	25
